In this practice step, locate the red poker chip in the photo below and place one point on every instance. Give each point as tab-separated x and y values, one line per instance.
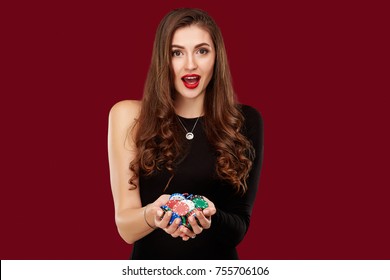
172	203
181	208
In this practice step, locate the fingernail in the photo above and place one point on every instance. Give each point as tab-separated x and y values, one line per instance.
177	221
159	213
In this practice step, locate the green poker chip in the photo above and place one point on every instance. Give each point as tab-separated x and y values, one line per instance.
200	203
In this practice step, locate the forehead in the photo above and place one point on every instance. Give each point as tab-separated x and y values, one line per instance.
191	35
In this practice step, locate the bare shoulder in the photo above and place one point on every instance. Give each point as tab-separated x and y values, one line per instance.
123	114
122	120
125	110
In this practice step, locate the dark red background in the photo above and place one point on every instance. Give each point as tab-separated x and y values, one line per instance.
318	72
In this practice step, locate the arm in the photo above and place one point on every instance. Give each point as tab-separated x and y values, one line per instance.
231	221
129	213
130	216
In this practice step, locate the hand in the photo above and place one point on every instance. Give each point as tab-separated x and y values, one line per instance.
204	218
161	220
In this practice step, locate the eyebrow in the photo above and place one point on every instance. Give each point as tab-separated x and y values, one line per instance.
197	46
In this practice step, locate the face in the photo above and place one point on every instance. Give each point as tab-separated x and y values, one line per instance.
193	57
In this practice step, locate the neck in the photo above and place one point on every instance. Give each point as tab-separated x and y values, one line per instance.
189	108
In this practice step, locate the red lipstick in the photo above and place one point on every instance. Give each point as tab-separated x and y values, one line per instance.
191	81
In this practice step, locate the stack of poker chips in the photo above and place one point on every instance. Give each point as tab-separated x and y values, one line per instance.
183	206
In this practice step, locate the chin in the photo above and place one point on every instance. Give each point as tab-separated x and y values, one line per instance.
191	95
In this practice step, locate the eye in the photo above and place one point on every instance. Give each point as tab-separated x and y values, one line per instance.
203	51
176	53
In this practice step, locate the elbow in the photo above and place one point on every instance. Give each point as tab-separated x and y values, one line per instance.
126	237
124	231
239	236
237	233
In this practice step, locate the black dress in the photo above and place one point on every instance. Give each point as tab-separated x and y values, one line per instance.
196	175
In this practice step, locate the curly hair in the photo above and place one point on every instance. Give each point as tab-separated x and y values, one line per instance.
156	138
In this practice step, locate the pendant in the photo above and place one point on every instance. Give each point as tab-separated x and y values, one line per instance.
189	135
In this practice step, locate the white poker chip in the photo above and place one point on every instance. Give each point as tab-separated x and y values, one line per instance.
177	196
190	204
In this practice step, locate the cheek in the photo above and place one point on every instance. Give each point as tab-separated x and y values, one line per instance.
175	70
210	70
209	66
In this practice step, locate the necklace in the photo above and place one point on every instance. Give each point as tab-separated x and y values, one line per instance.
189	134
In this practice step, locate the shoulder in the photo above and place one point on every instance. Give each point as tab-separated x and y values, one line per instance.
253	124
125	107
122	117
251	115
125	111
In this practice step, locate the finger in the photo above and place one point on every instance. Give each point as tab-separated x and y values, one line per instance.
162	200
203	220
185	238
159	212
164	221
209	211
180	233
173	227
177	233
196	228
209	202
187	233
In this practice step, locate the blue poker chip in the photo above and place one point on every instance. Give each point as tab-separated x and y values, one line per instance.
165	208
173	217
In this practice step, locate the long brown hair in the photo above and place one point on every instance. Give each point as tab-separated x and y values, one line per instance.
158	144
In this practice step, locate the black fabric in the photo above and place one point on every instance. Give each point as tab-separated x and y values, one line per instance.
196	175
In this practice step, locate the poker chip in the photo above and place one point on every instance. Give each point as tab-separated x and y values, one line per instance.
190	203
181	208
166	208
184	220
184	206
171	203
188	225
191	213
177	196
200	203
174	217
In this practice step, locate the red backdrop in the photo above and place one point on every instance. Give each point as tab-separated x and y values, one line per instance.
316	71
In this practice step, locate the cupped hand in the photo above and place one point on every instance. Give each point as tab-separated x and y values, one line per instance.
201	222
161	218
198	224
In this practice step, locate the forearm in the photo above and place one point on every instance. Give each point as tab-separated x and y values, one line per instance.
131	223
229	227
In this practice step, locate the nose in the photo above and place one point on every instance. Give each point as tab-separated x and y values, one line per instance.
190	63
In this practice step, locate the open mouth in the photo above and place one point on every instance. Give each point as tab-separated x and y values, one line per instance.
191	81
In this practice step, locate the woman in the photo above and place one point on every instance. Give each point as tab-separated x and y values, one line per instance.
187	135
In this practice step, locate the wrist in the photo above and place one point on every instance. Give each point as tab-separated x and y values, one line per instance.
147	217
